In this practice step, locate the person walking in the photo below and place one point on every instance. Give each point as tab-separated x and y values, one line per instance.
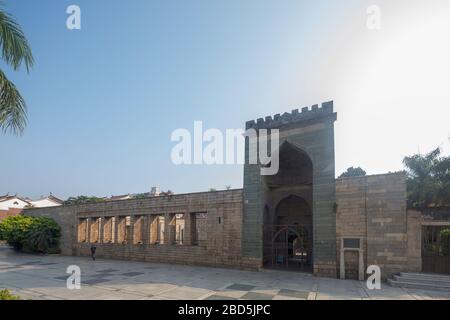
93	249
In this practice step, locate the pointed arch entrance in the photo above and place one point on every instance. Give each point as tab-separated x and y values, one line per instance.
288	214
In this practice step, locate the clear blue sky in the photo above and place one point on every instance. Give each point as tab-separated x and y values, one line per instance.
104	100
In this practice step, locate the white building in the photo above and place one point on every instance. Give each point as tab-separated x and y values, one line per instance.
50	201
8	202
12	202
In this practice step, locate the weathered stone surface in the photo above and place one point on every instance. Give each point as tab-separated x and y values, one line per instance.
225	228
374	208
220	244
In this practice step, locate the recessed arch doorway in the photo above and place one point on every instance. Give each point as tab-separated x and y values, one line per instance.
288	241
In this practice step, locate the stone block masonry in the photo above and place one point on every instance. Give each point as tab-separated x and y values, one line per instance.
212	224
210	233
373	208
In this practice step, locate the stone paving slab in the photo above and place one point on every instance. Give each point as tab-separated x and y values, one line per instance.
44	278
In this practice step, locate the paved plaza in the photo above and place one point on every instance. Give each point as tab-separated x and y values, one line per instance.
40	277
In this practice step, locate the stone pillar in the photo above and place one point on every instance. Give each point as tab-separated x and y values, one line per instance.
81	231
167	228
153	228
168	232
112	226
138	230
145	229
187	229
88	230
173	229
116	229
360	265
342	264
130	233
100	230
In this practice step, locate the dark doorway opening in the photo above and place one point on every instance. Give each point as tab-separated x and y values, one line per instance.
288	243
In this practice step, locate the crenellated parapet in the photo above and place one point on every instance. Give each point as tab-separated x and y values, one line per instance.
305	114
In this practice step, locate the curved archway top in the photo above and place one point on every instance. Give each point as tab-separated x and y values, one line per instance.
288	144
291	196
282	196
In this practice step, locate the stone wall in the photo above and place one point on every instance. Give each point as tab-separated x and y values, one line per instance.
371	208
220	245
374	208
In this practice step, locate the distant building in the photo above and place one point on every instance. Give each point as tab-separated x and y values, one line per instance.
123	197
13	205
12	202
49	201
155	192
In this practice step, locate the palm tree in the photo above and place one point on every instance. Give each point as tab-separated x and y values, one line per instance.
428	179
15	51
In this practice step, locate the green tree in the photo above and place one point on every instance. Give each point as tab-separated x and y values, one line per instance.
353	172
82	200
15	51
428	179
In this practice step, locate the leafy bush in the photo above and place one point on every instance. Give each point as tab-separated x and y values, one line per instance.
6	295
43	236
445	242
14	230
33	234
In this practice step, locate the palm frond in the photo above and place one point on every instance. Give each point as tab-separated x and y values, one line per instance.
14	45
13	109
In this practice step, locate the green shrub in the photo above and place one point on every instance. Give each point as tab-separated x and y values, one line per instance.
42	236
32	234
445	242
14	230
6	295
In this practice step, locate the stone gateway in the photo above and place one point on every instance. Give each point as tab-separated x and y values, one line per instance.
300	219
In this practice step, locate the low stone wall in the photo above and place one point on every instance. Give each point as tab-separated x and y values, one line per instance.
220	245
